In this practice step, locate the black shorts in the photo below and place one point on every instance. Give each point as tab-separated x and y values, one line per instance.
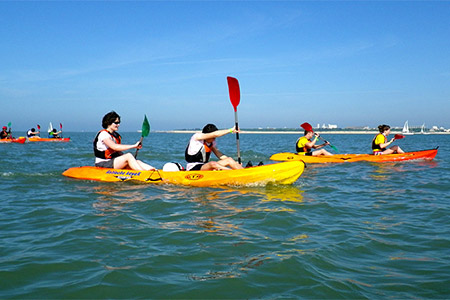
197	167
308	153
106	164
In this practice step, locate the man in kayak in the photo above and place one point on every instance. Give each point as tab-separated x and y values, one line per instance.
380	143
199	149
5	134
306	143
108	147
54	134
32	132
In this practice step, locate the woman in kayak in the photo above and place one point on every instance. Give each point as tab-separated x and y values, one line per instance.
380	143
108	147
201	145
306	143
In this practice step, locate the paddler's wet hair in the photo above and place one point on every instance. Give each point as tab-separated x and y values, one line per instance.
383	128
109	118
209	128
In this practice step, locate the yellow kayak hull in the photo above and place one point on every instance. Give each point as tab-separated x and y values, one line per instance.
342	158
278	173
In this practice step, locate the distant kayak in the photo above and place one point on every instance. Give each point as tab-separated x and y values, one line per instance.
20	140
39	139
278	173
342	158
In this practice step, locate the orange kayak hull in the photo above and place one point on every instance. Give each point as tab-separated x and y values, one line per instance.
343	158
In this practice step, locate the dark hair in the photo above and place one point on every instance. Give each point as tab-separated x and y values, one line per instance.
33	130
306	132
209	128
54	129
383	128
109	118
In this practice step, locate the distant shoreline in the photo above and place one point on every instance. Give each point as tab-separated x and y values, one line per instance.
301	132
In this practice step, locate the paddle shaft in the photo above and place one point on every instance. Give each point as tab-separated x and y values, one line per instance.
237	136
137	150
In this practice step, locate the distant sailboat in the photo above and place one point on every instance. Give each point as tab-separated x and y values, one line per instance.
422	129
405	130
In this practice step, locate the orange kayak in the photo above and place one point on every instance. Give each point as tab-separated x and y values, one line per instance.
39	139
20	140
278	173
342	158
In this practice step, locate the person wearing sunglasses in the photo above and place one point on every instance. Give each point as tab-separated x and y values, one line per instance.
108	147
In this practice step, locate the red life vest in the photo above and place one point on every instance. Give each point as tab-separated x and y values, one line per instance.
109	153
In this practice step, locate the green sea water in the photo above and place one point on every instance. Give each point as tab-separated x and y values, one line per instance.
344	231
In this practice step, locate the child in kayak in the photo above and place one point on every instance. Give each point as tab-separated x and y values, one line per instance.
201	145
306	143
108	147
380	143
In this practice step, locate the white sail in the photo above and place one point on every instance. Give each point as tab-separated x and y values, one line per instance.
405	130
422	129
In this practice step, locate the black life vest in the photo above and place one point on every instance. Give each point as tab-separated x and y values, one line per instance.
377	147
202	156
109	153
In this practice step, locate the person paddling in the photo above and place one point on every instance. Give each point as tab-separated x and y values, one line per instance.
199	149
32	132
380	143
306	143
108	147
5	134
54	134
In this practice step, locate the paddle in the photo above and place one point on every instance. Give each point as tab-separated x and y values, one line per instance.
235	97
9	131
60	129
308	127
398	137
145	132
39	129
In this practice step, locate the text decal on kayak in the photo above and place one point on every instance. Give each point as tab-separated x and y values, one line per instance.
193	176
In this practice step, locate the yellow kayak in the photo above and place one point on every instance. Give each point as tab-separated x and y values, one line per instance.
342	158
278	173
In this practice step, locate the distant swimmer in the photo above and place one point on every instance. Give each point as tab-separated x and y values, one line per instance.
380	143
108	147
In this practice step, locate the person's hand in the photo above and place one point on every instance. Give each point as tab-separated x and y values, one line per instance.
138	145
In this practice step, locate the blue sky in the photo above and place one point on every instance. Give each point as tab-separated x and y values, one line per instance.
350	63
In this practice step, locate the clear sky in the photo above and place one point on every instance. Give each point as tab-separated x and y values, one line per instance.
350	63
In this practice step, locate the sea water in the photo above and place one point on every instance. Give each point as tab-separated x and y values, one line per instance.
352	230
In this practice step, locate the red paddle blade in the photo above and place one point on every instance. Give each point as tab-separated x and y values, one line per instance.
60	126
39	127
235	94
398	136
307	126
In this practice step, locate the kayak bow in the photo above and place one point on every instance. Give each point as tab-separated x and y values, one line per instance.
342	158
278	173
